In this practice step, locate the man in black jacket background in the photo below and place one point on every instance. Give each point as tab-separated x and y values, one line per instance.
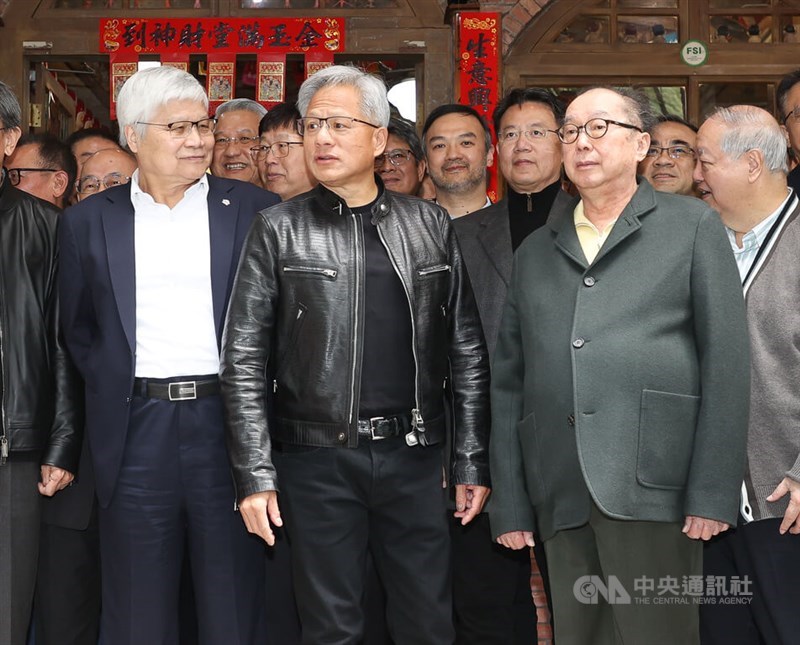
40	437
357	301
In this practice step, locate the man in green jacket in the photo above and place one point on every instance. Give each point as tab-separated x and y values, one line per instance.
620	389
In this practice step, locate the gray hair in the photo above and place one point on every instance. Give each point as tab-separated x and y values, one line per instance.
751	128
10	113
148	90
374	103
235	105
637	106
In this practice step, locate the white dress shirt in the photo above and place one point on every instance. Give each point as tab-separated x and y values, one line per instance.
175	331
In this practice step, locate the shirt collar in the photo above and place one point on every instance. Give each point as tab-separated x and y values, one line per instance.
140	196
756	235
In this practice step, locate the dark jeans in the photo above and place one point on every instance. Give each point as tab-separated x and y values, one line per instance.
383	496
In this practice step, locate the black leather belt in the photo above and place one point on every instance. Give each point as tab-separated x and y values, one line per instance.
384	427
176	390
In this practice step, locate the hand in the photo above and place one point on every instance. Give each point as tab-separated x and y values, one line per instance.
53	480
791	518
258	510
516	540
700	528
469	501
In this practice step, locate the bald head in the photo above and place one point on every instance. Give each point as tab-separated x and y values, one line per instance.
104	169
742	164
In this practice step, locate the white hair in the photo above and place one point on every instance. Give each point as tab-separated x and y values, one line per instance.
751	128
374	103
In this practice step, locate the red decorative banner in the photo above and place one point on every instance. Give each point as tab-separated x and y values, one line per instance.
123	66
221	78
316	61
479	68
271	82
221	35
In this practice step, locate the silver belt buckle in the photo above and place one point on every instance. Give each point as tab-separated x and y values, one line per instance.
372	428
184	391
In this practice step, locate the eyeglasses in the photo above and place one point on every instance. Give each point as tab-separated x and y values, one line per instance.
338	125
396	157
674	152
90	184
279	149
237	141
15	174
512	136
182	129
795	112
594	129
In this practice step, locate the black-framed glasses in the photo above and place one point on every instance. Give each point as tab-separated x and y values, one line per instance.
513	136
182	129
15	175
237	141
396	157
279	149
90	184
673	152
795	112
338	125
594	129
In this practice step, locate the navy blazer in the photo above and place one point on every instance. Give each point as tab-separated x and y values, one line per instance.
98	301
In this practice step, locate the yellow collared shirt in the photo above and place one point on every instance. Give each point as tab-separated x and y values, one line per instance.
589	236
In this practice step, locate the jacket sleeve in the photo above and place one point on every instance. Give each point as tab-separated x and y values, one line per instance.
469	375
66	435
720	326
510	509
245	352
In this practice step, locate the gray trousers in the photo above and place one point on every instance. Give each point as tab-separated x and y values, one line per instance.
629	551
20	517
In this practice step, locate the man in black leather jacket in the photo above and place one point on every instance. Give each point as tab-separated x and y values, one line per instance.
40	435
355	303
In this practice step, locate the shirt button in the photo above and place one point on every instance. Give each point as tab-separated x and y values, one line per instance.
342	437
578	343
589	281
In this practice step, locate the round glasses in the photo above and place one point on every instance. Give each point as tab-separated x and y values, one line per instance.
15	175
594	129
279	149
90	184
396	157
182	129
673	152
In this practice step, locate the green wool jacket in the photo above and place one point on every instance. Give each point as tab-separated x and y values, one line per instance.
624	381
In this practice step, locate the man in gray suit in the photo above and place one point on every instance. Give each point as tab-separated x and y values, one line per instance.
619	387
529	156
742	174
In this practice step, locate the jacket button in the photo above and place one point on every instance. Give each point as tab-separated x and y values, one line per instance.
578	343
342	437
571	419
589	281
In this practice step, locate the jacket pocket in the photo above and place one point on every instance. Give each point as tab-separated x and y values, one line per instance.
433	270
667	424
310	272
291	345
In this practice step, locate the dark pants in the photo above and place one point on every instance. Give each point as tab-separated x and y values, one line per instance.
175	488
383	496
629	551
769	563
492	597
67	607
20	519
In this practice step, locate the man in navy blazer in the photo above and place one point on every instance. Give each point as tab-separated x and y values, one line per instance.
147	270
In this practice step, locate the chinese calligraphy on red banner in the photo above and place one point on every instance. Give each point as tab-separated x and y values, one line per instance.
479	67
221	35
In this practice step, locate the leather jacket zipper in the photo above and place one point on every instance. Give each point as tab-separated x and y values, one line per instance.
417	422
439	268
328	273
357	316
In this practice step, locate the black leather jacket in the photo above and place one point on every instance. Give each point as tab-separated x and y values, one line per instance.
41	396
297	303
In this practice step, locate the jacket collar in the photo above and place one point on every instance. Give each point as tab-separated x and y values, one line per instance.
561	222
330	201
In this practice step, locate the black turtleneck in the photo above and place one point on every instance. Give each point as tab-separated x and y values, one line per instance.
529	211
